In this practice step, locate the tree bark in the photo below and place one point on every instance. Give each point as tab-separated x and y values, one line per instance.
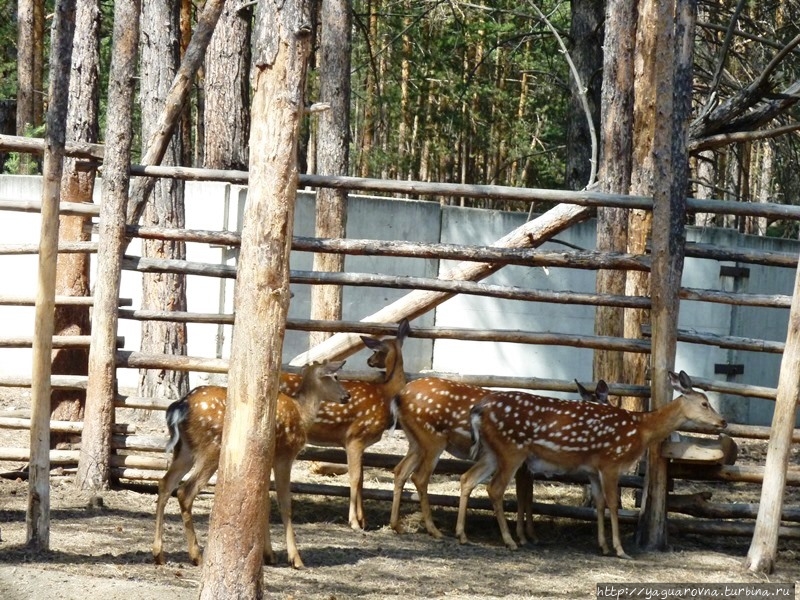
764	546
586	35
160	56
232	566
616	144
38	514
94	462
227	92
72	272
333	143
670	82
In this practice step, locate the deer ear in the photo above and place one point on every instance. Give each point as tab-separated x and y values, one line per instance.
585	394
681	383
685	380
403	328
371	342
601	391
334	366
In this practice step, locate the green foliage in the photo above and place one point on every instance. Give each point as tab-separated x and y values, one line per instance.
460	93
25	164
8	49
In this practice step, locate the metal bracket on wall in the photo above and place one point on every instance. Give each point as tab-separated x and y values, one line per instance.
736	272
728	369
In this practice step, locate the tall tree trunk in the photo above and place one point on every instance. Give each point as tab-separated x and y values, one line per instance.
72	275
616	158
586	34
160	48
227	91
232	565
95	457
25	65
333	143
667	92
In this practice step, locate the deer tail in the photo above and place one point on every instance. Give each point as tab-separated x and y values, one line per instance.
176	414
475	416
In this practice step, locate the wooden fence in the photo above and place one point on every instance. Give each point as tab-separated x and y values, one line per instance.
141	458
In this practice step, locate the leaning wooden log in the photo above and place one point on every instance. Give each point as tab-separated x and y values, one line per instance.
533	233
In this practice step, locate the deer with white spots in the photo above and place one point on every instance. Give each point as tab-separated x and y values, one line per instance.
524	477
195	424
560	436
361	422
435	416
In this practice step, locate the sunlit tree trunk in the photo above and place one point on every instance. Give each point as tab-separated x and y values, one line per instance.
72	271
160	57
333	143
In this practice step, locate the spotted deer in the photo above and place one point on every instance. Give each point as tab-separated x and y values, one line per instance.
360	423
524	477
560	436
434	415
195	424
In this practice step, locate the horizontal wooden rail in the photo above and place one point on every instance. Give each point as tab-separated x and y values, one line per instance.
66	382
723	341
59	300
59	341
63	248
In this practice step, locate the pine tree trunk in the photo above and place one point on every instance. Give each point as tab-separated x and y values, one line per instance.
616	142
72	276
160	47
232	565
333	143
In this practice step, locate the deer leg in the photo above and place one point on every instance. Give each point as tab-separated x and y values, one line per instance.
186	495
283	473
524	485
181	464
600	506
269	555
355	468
611	490
497	489
421	479
469	481
402	472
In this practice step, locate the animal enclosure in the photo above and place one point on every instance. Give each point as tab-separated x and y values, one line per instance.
466	339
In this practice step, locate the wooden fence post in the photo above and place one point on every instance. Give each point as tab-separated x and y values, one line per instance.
93	465
38	517
764	546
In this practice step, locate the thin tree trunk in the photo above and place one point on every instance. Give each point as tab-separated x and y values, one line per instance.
616	158
333	143
38	514
72	272
232	565
94	461
160	56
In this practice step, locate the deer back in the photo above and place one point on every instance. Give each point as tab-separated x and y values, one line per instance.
437	407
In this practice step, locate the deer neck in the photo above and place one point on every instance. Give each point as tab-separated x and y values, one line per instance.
658	424
394	378
308	404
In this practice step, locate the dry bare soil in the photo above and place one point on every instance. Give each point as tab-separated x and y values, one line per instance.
100	549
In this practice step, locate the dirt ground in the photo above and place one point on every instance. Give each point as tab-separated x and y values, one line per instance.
102	549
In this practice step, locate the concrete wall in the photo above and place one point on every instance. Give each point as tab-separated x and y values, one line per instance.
220	206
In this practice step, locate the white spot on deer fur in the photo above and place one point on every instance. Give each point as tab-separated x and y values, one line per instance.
631	432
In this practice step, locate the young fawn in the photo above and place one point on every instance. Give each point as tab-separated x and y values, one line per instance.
560	436
434	414
361	422
195	424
